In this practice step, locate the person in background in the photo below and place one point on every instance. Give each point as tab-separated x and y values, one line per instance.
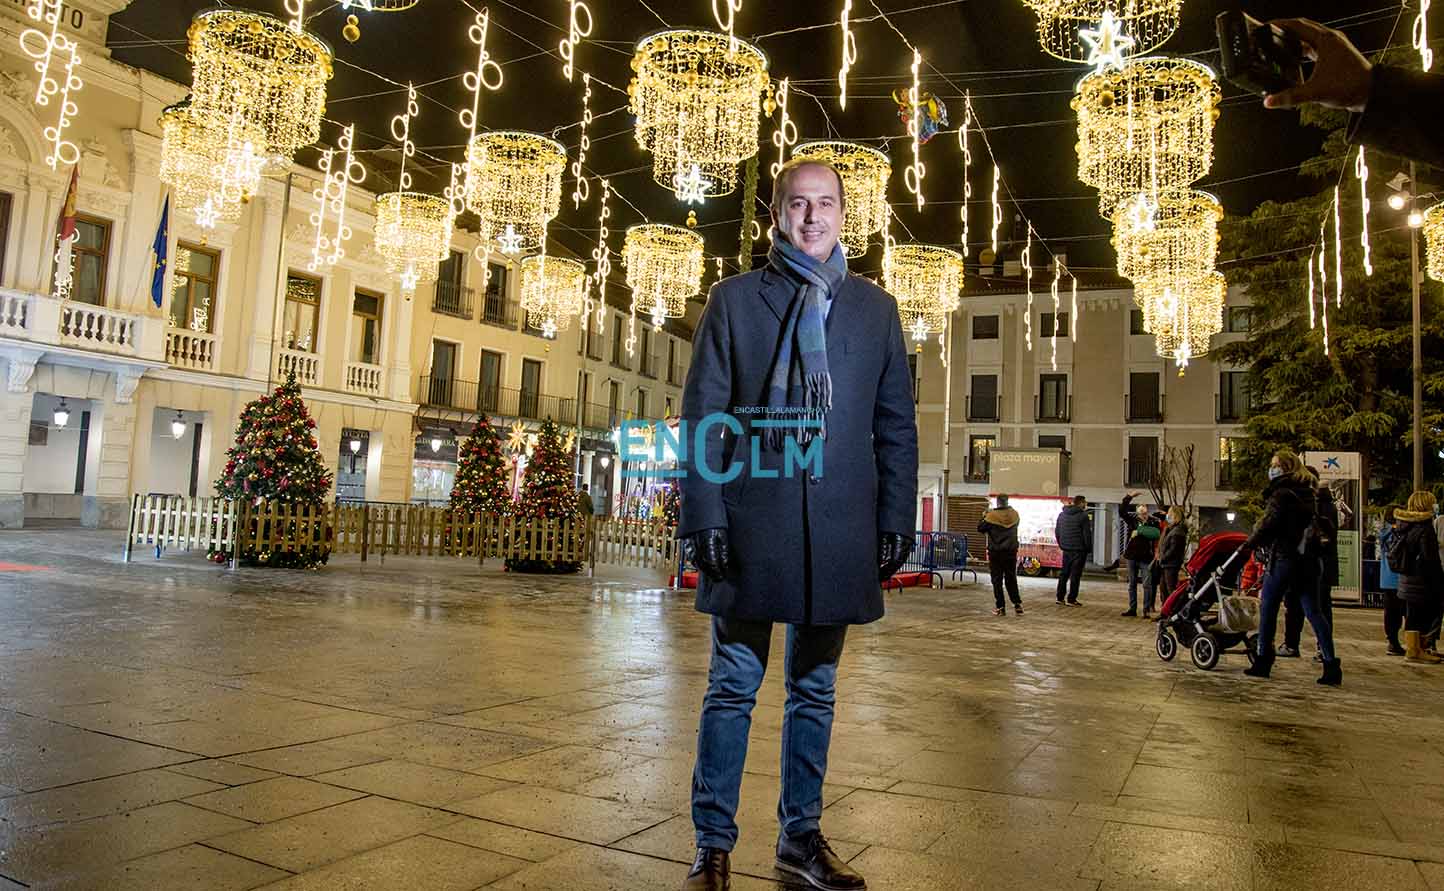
1001	526
1327	527
1074	532
584	501
1414	555
1171	551
1143	534
1293	563
1389	585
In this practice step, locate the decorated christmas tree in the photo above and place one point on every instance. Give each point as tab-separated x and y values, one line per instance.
547	492
275	459
483	482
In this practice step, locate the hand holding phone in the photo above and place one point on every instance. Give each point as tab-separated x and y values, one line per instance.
1261	58
1341	76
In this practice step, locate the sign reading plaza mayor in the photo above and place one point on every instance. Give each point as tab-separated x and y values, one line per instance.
1028	472
1340	471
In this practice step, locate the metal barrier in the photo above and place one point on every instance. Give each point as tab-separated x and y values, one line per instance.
948	552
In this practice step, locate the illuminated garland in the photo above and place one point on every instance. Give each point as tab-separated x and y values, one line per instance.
514	185
43	48
665	265
1027	259
1421	36
602	256
331	201
1061	23
583	190
575	32
786	133
849	53
1434	241
967	164
913	176
553	288
1361	173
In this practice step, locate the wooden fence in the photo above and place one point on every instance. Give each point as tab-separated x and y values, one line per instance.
221	525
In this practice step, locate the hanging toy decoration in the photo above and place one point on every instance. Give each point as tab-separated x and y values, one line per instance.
932	113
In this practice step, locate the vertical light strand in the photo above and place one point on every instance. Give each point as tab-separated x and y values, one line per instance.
1421	36
720	270
401	132
297	9
1313	312
726	16
1324	285
1057	308
575	32
331	197
1073	313
583	190
1338	254
487	75
43	48
913	176
1361	172
967	164
631	330
849	53
786	133
602	256
1028	277
997	208
943	339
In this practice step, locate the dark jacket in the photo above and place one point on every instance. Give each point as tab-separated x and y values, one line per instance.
1001	527
1173	546
1401	116
868	482
1138	546
1288	514
1328	527
1414	547
1074	529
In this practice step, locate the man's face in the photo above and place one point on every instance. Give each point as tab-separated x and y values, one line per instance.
809	212
1141	511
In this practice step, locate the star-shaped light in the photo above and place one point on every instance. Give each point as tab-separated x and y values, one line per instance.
409	278
1141	214
509	241
691	187
920	329
207	214
1108	44
549	329
516	438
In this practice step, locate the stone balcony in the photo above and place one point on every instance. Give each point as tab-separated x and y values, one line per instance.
34	326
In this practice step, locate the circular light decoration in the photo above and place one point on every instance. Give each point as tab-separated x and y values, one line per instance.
1148	22
413	234
553	288
1146	128
1185	318
865	172
926	279
697	97
1434	241
664	268
1176	241
255	64
514	183
212	166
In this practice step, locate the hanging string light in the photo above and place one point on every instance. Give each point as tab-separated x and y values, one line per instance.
967	164
1180	242
1324	285
1148	23
849	53
331	195
997	207
1192	316
1057	307
786	133
1145	129
1361	173
1313	313
726	16
486	77
1073	314
696	104
1027	259
865	172
47	49
575	32
1421	36
514	184
913	176
273	72
665	265
413	230
553	289
582	191
602	257
631	342
1338	254
211	167
1434	241
927	281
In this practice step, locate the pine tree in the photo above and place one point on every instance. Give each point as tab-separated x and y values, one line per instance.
275	459
547	493
483	484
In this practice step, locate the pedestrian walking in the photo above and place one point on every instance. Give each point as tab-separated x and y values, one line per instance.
1287	530
1414	555
1143	534
1326	525
584	501
1171	551
1001	526
1389	585
1074	533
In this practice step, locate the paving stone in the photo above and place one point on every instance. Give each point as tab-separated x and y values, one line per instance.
417	862
273	799
585	819
180	869
417	783
227	773
306	759
313	839
97	798
510	840
606	869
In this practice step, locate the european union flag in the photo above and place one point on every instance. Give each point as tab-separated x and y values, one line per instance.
159	248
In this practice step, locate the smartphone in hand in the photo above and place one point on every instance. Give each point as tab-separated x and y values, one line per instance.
1261	58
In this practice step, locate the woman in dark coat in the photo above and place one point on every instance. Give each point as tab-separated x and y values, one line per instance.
1293	564
1171	552
1414	555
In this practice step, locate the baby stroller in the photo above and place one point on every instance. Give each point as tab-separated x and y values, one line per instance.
1213	572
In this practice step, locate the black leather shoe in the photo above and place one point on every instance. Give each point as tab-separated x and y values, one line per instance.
811	859
711	871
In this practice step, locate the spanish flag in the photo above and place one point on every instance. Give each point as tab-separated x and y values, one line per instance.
65	237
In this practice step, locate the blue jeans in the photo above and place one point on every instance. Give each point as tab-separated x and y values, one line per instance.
1295	576
1138	575
739	662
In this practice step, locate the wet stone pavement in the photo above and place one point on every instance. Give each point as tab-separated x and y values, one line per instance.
429	724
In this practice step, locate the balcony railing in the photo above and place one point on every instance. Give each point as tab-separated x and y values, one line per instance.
1053	409
469	396
1139	471
15	312
364	378
452	299
500	313
1143	407
193	350
985	408
42	319
305	366
1225	476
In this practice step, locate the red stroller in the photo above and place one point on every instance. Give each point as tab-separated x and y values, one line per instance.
1185	620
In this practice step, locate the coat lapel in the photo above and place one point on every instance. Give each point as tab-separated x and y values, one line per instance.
776	292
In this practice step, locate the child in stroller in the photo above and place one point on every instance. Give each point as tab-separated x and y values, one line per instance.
1213	572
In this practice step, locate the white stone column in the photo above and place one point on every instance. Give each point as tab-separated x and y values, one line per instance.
264	279
133	271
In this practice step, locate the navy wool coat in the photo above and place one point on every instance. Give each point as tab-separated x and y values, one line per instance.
803	547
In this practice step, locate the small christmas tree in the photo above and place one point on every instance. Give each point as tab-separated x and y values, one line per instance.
483	482
275	459
547	492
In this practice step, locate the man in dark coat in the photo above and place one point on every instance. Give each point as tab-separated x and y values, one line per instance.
1144	531
1327	529
1001	526
1074	532
804	348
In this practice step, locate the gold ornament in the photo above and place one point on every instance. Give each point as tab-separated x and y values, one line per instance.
553	289
1177	241
1434	241
664	268
352	29
865	172
212	166
514	183
926	280
1184	319
1147	23
696	97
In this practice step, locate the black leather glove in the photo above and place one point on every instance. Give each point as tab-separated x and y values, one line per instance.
710	552
892	551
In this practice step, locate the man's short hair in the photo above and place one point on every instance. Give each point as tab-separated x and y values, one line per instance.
791	167
1080	501
1002	500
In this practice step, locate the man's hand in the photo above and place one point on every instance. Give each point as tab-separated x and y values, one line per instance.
710	552
1341	77
892	551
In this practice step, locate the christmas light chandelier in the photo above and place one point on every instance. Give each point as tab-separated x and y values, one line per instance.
211	166
413	229
927	280
1185	319
258	65
1145	129
553	289
1176	241
696	96
664	267
1147	23
1434	241
865	172
514	183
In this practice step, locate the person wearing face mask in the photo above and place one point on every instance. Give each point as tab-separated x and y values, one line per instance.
1293	565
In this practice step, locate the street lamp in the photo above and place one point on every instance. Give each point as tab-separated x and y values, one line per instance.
61	416
1405	197
1232	515
178	425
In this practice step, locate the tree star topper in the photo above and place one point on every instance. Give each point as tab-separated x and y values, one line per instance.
1108	44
